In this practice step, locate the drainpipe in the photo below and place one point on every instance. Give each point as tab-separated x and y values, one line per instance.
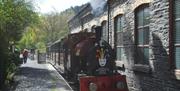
82	24
108	4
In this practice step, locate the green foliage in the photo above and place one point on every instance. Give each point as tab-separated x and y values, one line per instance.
41	46
29	38
20	25
55	25
15	16
11	67
50	27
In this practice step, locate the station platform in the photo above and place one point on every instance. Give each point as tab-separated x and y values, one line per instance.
58	67
32	76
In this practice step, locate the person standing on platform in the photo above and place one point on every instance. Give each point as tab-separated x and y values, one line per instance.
25	55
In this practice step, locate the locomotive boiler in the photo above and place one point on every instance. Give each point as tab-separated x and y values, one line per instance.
90	60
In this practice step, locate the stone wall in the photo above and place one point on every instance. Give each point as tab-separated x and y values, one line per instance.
157	76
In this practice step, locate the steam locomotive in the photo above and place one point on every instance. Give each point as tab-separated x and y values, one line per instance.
89	60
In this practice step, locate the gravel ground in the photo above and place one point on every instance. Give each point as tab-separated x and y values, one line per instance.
39	77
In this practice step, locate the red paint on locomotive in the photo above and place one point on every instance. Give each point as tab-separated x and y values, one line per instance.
104	83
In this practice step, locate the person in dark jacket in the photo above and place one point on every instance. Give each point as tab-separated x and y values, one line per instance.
25	55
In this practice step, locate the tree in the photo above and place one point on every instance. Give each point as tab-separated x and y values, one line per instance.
15	16
55	25
29	38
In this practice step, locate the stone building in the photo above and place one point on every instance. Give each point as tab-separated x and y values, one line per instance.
146	37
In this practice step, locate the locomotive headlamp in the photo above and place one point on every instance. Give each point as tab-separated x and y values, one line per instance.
93	87
120	85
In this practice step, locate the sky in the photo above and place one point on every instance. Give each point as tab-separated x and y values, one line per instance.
46	6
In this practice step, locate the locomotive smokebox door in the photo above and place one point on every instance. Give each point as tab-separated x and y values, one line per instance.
104	56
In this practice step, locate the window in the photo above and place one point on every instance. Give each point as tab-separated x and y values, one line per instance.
119	37
142	34
176	33
104	31
92	28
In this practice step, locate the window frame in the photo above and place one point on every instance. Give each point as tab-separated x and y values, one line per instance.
171	28
116	46
172	45
171	35
92	29
176	45
122	47
137	29
119	63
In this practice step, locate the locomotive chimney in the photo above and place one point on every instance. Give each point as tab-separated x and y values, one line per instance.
98	31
